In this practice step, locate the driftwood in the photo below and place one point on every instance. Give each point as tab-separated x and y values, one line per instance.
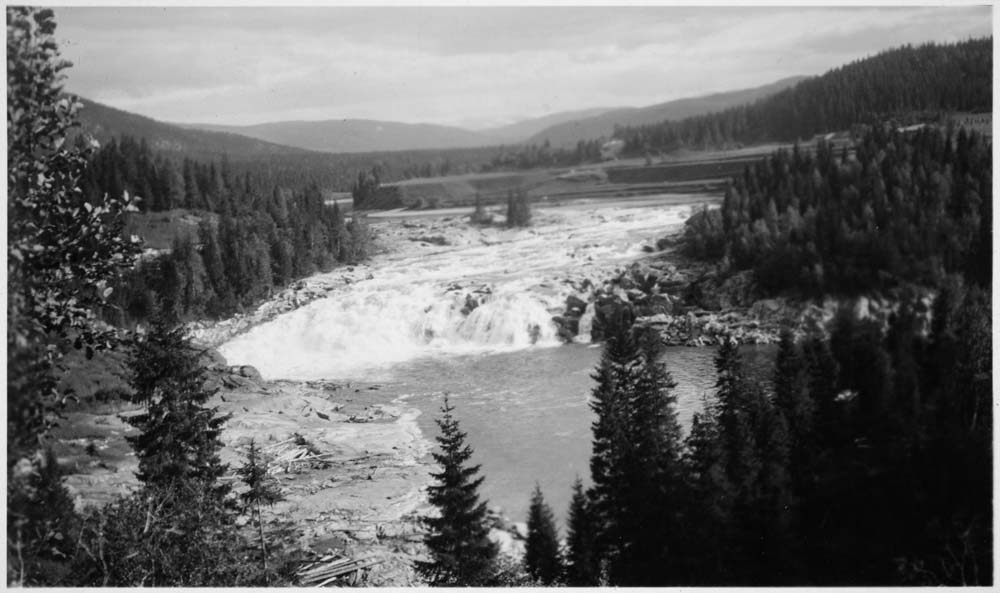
330	568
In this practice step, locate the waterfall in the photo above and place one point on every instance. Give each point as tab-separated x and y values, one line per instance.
350	332
495	291
586	324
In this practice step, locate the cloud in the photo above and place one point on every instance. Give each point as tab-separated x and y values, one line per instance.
451	65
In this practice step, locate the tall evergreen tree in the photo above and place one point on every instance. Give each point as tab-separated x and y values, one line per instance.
178	442
636	458
461	550
542	558
793	399
582	566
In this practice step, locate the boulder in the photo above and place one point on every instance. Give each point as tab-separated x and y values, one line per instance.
566	327
238	382
610	316
249	372
660	304
471	303
211	358
575	306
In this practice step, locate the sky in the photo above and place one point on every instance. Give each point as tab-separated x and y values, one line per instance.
467	66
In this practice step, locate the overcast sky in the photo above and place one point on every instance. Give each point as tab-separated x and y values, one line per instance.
473	67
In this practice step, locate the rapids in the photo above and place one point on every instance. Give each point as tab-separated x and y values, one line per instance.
473	318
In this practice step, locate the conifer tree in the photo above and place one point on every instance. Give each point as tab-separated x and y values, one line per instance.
541	554
262	490
461	550
179	442
709	506
754	439
636	458
791	395
582	568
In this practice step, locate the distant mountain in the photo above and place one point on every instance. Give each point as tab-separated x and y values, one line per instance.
522	130
105	122
357	135
568	133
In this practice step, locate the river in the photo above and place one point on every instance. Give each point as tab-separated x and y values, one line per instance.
520	394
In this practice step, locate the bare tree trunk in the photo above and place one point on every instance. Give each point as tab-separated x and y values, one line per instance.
263	545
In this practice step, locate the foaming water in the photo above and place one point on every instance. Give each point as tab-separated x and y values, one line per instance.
362	331
497	293
521	397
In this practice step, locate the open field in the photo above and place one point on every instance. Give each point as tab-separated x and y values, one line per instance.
681	172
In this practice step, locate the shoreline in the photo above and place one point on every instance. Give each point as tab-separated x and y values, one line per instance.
359	487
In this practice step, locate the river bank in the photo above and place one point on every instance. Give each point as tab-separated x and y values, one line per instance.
445	301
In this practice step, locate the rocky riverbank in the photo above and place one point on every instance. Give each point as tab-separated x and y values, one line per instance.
351	462
693	303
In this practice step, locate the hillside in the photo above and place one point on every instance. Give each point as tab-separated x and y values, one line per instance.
357	135
106	123
522	130
931	82
567	134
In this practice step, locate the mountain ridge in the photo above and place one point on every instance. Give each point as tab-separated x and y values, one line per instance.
106	123
567	134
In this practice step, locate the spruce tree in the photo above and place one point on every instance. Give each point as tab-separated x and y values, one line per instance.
541	555
582	568
262	490
708	510
754	441
792	397
179	439
461	550
636	459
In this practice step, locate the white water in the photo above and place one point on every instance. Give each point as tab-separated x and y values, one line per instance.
412	307
521	396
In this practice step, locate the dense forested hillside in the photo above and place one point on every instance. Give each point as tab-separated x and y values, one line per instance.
895	83
252	238
107	123
904	207
568	134
134	163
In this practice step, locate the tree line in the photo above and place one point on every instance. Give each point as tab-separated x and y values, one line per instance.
904	207
236	260
865	459
894	83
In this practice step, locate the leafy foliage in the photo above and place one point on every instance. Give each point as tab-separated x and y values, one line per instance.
62	248
462	552
170	536
42	525
63	251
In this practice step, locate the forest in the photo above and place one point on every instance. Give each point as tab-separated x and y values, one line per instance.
863	458
901	207
895	84
253	237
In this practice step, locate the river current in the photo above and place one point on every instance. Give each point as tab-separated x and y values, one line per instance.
520	394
